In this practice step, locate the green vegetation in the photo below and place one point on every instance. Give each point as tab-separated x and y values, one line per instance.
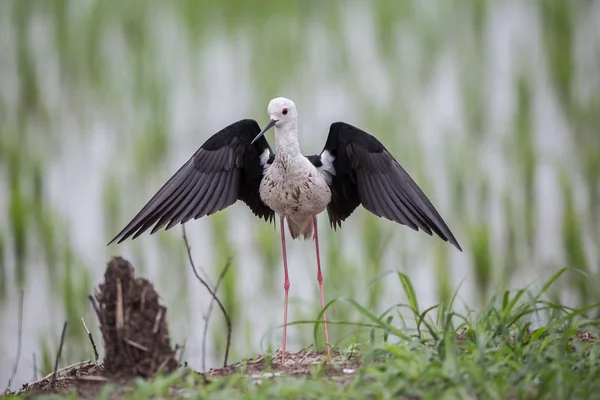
520	345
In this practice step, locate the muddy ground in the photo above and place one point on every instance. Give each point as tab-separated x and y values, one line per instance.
88	378
137	344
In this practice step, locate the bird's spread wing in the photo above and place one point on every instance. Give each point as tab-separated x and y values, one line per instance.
362	171
225	169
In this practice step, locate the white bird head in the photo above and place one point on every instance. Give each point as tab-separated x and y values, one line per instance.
282	110
282	113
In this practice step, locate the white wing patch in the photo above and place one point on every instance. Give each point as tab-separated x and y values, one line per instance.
264	159
327	169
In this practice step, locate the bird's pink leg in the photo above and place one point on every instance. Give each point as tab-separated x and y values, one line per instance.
320	280
286	288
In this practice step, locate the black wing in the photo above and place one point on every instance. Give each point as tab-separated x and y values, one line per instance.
225	169
362	171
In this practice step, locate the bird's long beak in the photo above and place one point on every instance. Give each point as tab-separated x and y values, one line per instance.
269	126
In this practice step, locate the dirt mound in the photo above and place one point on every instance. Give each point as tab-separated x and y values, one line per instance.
134	332
133	325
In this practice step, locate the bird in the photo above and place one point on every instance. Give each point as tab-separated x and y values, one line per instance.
237	163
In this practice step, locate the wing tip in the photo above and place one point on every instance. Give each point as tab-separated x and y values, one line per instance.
449	237
118	239
454	242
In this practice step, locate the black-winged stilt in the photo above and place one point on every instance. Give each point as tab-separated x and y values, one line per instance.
237	163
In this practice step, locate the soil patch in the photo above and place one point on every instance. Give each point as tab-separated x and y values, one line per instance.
305	363
88	378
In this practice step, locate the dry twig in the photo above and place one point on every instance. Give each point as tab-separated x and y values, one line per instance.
96	309
91	340
208	314
62	341
212	293
182	351
20	339
135	344
93	378
34	368
157	321
120	318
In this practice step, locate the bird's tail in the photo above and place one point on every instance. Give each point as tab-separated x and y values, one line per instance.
301	227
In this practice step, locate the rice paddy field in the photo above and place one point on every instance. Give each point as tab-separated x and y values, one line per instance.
492	106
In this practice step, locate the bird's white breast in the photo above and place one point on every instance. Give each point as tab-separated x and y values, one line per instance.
292	186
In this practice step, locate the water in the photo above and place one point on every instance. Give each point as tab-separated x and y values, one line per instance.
125	94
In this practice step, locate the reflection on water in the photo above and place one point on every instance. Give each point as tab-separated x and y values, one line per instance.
100	104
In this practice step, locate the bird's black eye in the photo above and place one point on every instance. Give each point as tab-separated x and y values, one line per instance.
284	111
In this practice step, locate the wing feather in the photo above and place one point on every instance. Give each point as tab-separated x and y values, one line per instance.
402	215
188	212
226	168
179	213
218	196
168	211
366	173
148	217
202	208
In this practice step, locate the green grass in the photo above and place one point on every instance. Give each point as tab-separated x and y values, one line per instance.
519	346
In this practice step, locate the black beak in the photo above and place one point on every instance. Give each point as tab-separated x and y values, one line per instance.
269	126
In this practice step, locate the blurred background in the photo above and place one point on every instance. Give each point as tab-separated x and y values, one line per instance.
492	106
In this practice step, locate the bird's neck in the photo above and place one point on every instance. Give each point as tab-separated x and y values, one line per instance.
286	140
